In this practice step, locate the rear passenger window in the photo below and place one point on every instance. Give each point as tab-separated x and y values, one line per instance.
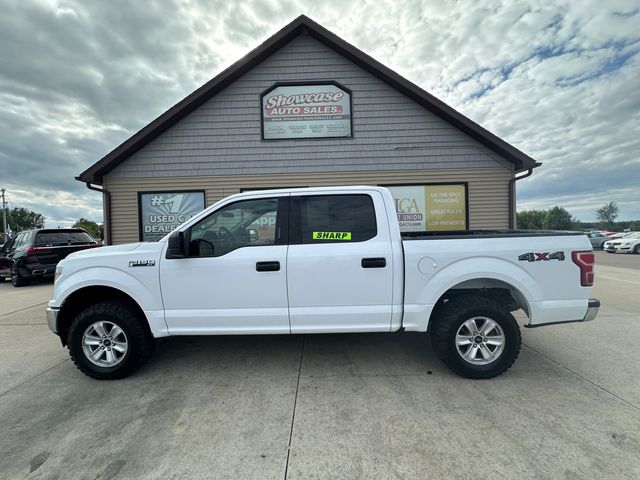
21	240
337	218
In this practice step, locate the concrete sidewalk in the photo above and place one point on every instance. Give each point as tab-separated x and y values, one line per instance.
327	406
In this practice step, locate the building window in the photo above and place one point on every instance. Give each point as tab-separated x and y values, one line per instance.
431	207
159	213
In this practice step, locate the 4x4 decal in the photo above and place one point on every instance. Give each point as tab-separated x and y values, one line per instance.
537	257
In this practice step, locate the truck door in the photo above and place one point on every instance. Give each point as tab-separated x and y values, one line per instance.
339	264
233	279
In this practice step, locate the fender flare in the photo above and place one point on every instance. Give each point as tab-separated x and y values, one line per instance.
103	276
472	269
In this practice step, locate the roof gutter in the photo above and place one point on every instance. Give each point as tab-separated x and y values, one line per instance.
512	195
106	205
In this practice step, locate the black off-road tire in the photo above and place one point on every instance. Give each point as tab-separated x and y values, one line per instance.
140	341
18	280
451	316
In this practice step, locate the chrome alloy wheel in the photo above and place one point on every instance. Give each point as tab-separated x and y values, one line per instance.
104	344
480	340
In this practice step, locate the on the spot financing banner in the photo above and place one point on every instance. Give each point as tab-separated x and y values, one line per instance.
429	208
306	111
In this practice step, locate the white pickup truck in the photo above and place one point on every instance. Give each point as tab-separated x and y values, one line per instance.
319	260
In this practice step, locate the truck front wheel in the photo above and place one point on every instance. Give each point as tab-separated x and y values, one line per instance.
475	337
108	341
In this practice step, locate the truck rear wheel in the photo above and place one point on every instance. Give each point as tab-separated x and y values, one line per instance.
476	337
108	341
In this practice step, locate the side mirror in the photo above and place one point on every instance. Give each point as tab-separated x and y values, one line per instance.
177	247
253	235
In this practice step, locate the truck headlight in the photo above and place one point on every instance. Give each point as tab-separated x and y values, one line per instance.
57	274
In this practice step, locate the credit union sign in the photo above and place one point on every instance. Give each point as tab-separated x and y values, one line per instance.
428	208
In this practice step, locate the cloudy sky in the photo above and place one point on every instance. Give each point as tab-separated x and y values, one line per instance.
560	80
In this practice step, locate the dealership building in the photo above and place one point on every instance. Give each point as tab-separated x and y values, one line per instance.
305	109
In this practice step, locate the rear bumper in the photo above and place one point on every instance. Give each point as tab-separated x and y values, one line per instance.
591	313
592	310
37	269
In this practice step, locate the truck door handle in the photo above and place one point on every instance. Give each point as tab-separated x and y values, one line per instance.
379	262
268	266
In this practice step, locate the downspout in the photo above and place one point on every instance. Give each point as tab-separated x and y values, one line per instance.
512	195
106	196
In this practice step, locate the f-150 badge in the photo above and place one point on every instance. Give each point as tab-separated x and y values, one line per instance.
142	263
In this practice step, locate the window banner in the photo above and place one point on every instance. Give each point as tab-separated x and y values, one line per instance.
429	208
161	212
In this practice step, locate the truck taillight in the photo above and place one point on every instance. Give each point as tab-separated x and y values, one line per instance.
585	260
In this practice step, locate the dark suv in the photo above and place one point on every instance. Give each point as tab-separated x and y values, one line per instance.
35	253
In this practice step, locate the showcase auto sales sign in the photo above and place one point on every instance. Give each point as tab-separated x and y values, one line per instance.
306	111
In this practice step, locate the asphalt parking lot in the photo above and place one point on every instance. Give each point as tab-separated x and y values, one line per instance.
327	406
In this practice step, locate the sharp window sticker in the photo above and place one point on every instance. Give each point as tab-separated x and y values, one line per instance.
332	236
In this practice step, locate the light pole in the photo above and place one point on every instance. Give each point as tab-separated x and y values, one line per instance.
4	215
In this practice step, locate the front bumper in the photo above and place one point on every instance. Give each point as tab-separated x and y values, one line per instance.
52	319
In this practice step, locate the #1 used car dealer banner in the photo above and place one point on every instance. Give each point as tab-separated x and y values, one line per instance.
428	208
306	111
162	212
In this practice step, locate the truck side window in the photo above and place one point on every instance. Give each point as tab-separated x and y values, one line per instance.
337	218
241	224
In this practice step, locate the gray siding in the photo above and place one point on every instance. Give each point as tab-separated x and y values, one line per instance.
222	137
488	191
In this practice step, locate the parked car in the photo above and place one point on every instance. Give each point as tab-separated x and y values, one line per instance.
597	239
628	243
333	261
36	253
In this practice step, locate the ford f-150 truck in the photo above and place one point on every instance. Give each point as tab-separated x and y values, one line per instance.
319	260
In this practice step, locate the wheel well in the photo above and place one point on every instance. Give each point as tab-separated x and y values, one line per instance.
496	290
85	297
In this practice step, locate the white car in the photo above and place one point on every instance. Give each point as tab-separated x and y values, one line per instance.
630	243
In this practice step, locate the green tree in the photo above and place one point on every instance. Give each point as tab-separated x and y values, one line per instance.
557	218
607	215
95	230
22	219
530	219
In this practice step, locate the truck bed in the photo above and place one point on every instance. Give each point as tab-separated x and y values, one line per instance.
484	234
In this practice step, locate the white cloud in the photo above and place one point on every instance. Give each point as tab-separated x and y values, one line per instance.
557	79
